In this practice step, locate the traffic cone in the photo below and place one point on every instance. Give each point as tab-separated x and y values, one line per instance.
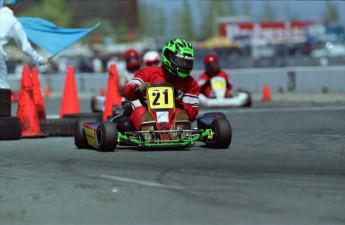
37	92
102	91
266	95
113	96
47	91
70	102
26	111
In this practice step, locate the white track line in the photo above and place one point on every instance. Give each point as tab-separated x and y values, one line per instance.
141	182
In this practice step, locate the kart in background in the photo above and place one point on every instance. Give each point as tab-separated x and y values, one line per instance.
213	128
235	99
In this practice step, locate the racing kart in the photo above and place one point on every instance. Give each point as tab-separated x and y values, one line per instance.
213	128
235	99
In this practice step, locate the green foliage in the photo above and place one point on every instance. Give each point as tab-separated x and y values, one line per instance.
105	30
269	13
184	23
211	10
332	15
56	11
151	21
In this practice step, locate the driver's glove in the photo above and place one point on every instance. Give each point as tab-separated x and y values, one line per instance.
141	89
178	95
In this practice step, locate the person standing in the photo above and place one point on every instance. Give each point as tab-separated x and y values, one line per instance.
11	28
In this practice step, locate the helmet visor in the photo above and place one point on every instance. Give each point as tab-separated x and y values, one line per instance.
182	62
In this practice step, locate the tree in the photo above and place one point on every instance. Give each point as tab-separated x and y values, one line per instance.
269	13
184	22
105	30
246	8
211	10
151	21
292	15
55	11
332	14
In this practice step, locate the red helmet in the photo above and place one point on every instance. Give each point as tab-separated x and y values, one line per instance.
210	59
211	64
132	59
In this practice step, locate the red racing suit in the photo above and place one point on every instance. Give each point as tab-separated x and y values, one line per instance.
154	74
205	85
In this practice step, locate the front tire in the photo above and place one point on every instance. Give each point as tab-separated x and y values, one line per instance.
106	140
215	114
222	134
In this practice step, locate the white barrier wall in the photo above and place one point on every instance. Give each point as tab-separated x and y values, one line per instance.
285	79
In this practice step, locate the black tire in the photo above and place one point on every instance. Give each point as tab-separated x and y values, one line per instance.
106	140
215	114
57	127
10	128
5	102
79	134
78	116
249	102
222	134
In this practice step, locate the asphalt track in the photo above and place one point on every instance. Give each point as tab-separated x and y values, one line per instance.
285	165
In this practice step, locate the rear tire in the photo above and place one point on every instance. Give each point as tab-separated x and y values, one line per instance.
222	134
106	140
10	128
78	116
249	102
79	135
5	102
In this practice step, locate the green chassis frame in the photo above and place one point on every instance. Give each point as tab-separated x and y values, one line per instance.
191	137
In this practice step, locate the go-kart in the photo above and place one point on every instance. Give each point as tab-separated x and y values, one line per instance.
235	99
213	128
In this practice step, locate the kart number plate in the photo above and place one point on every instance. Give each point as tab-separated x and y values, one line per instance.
160	97
218	83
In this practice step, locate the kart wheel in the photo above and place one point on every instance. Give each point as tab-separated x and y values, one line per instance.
215	114
10	128
249	102
222	134
5	102
77	116
79	135
57	127
106	140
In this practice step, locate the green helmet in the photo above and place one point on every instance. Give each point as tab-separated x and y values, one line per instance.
178	57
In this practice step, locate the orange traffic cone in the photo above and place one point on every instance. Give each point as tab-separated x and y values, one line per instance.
102	91
113	96
70	102
47	92
26	111
37	92
266	95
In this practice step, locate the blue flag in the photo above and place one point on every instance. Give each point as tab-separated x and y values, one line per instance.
51	38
